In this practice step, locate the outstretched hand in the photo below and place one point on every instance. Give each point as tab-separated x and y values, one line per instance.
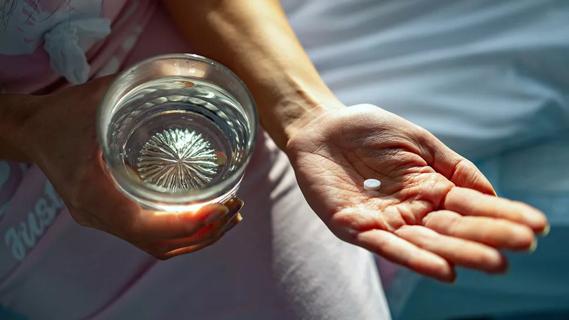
434	209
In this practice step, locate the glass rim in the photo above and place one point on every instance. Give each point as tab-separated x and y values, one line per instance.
154	198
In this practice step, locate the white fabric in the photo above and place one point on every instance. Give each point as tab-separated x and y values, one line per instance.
67	42
23	23
485	76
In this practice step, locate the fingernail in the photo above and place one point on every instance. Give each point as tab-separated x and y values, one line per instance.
234	204
545	231
216	214
533	246
235	219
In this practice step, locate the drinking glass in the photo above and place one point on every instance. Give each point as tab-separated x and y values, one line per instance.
177	132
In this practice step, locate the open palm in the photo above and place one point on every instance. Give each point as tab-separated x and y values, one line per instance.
434	209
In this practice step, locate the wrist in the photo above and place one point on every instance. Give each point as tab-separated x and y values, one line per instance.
297	104
16	113
311	107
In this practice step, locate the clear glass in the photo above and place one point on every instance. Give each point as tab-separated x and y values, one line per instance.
177	132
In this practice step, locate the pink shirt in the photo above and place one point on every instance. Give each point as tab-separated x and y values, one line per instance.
25	69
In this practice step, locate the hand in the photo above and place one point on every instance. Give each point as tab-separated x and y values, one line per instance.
434	208
62	139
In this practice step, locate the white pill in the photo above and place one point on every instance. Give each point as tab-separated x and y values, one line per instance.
372	184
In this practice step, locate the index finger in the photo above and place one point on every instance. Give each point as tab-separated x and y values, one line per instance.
473	203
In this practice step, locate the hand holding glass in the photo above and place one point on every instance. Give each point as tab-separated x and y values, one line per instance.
177	132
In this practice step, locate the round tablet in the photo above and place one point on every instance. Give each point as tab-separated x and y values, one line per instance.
372	184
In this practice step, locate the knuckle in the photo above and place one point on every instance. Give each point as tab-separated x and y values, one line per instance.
463	170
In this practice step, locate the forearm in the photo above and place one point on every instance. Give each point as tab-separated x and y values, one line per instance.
15	112
255	40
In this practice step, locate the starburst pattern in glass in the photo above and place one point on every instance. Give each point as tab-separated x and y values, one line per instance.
177	160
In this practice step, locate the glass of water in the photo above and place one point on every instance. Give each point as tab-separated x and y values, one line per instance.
177	132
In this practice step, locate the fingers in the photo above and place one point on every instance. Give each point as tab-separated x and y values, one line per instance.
497	233
170	225
458	251
234	205
210	232
472	203
400	251
204	236
202	243
164	225
456	168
